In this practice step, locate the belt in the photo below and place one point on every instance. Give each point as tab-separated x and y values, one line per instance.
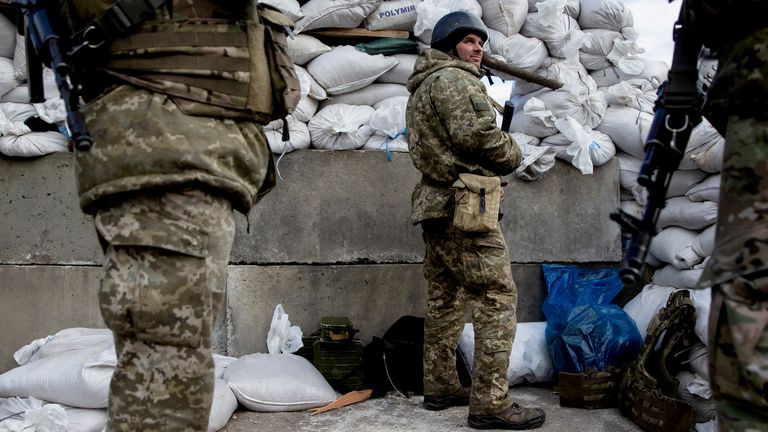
429	181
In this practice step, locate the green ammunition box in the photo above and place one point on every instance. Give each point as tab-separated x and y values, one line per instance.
341	364
307	350
336	330
590	390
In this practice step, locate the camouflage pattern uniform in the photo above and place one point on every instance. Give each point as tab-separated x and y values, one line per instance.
452	128
738	269
161	185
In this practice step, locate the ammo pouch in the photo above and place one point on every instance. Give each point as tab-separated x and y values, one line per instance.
648	387
477	199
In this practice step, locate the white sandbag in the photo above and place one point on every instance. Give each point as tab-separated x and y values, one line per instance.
52	110
537	160
20	59
20	93
305	109
637	93
587	109
695	391
629	169
607	14
702	299
693	215
65	341
429	12
13	116
291	8
298	131
220	363
86	420
303	48
224	405
532	117
644	306
7	80
394	100
505	16
309	86
609	48
571	7
30	414
78	378
671	276
345	69
278	382
334	13
385	143
628	128
519	51
529	360
654	71
7	37
402	71
674	245
369	95
393	15
341	127
679	184
583	147
632	208
698	358
707	190
574	77
704	244
33	144
555	31
389	118
709	145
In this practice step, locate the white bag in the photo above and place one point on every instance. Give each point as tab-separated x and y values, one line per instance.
628	128
674	245
704	243
517	50
224	405
587	109
283	338
607	14
290	8
402	71
505	16
334	13
7	37
345	69
644	306
533	118
278	382
682	212
707	190
303	48
709	145
369	95
341	127
671	276
298	131
537	160
556	31
393	15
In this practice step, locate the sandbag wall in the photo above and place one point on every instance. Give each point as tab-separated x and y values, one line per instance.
26	129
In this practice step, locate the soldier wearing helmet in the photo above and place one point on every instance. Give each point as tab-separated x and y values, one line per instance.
452	130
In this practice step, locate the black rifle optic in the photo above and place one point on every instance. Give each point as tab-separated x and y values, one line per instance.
676	112
44	47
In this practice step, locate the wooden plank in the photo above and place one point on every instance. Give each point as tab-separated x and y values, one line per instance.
358	32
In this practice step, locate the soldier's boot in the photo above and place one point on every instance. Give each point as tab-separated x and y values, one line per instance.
458	398
515	417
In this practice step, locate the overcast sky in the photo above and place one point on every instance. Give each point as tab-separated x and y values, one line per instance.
654	20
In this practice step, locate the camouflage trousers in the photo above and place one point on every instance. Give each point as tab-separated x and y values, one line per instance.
468	272
166	256
738	334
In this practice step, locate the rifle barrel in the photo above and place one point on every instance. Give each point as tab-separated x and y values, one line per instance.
492	63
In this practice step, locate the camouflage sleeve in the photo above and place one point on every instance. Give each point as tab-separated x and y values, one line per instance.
470	120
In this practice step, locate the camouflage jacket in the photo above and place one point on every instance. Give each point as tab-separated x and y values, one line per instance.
737	106
145	139
451	125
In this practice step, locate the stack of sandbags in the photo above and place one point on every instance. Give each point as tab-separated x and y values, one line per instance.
64	379
26	130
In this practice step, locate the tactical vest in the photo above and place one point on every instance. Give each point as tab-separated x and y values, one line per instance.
647	389
210	63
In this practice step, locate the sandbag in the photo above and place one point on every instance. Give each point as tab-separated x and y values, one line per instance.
679	184
654	71
520	51
671	276
20	59
309	86
571	7
393	15
305	109
223	406
532	117
644	306
709	145
20	93
529	360
345	69
636	93
555	31
33	144
298	131
385	143
674	245
341	127
574	77
290	8
706	190
583	147
278	382
7	37
369	95
428	12
303	48
537	160
628	128
607	14
505	16
7	80
334	13
402	71
697	393
587	109
682	212
704	243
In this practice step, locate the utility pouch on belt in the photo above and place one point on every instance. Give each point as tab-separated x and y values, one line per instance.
477	203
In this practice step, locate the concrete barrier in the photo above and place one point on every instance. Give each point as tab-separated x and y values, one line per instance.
334	238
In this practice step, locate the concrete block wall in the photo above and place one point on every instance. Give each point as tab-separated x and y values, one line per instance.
334	238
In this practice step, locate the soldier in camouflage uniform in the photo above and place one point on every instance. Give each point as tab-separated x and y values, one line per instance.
452	129
738	269
161	180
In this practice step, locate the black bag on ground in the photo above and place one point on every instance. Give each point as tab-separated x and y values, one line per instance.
396	360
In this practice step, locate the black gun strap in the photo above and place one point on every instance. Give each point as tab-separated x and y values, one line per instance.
681	93
120	19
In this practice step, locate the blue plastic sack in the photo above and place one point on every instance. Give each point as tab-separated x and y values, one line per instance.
584	331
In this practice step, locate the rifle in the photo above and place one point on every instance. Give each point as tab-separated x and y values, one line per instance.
44	46
677	110
492	63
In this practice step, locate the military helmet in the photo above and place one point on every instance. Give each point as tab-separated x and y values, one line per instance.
451	28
